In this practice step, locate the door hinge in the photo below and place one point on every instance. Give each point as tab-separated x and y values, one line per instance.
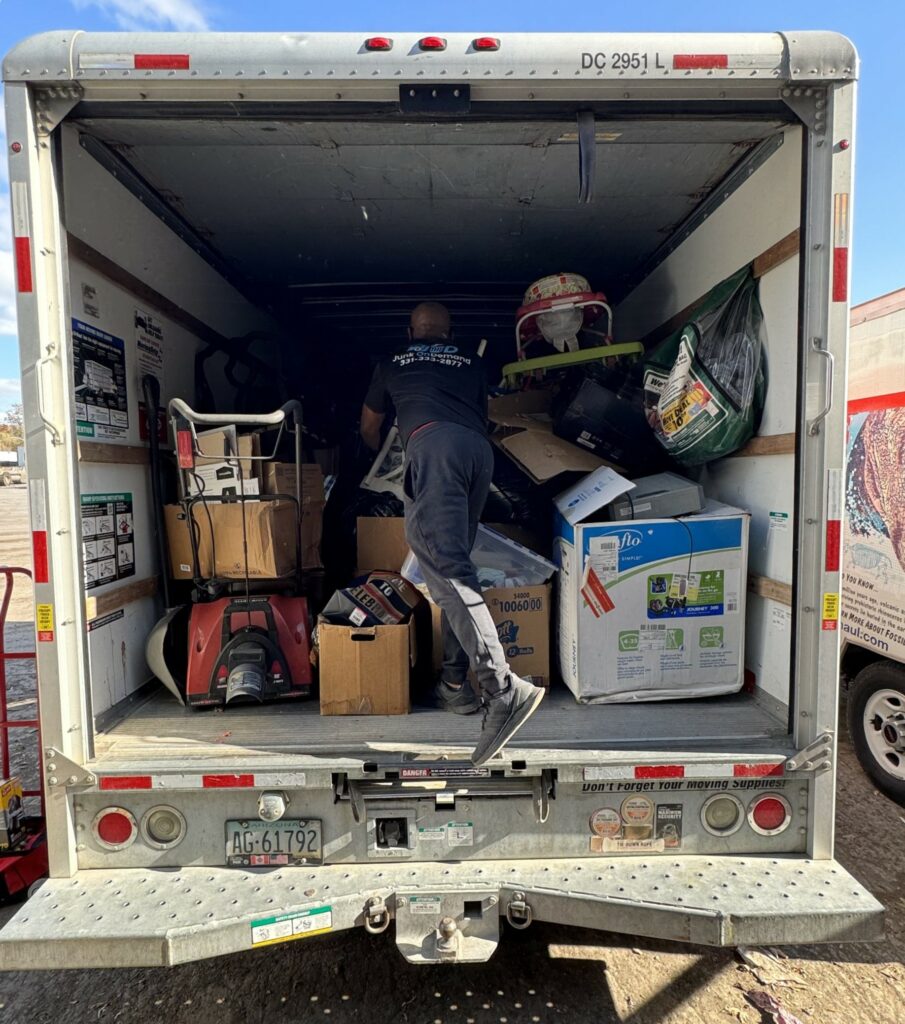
62	771
816	757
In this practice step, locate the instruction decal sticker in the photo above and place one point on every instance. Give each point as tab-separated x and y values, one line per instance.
99	371
830	611
267	931
44	623
108	541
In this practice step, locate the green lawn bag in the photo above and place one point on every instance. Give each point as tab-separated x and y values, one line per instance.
704	387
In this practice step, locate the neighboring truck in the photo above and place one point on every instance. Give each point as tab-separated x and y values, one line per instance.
873	587
11	470
173	192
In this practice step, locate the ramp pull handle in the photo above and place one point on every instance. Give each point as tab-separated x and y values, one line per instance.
814	426
56	435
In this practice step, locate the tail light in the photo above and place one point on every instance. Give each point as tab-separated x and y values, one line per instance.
769	814
163	827
114	828
722	814
432	43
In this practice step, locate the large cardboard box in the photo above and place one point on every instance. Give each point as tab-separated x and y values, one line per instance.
381	543
365	670
653	609
279	478
12	813
522	619
270	530
523	429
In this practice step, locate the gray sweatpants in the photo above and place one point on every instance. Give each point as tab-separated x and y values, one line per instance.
447	479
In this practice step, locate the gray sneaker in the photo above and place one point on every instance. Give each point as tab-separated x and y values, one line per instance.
458	699
505	713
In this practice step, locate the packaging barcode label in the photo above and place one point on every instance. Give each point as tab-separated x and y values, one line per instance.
603	554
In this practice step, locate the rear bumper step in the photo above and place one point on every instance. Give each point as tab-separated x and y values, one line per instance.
148	918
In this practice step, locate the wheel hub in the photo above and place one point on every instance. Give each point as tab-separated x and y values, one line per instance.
884	730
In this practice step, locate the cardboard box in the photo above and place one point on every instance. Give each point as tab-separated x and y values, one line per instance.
223	442
279	478
12	813
270	529
653	609
522	618
381	543
524	431
366	670
221	478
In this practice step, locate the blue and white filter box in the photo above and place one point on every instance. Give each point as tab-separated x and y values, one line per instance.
653	609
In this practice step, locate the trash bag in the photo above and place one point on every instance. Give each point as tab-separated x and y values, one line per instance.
377	599
704	387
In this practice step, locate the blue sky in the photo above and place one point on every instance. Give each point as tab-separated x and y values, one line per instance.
877	28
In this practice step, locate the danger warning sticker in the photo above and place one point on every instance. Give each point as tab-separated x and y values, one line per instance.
830	611
44	623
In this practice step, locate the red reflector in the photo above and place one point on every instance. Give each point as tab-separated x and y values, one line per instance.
840	274
486	43
114	828
833	544
276	669
700	61
222	673
125	782
756	771
184	448
162	62
24	282
41	560
227	781
660	771
769	813
379	43
432	43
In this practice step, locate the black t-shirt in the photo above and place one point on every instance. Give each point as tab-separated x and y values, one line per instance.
431	379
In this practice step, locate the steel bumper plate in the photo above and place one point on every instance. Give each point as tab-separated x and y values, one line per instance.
144	917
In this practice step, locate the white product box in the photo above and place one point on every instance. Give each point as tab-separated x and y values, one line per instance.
653	609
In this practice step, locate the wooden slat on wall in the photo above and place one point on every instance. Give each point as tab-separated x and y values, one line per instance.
112	600
769	444
118	454
775	590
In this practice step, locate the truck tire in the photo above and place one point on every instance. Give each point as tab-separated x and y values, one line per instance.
876	723
5	479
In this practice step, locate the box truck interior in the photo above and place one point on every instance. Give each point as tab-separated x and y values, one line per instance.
314	234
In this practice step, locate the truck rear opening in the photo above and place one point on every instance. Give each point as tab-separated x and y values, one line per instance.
301	196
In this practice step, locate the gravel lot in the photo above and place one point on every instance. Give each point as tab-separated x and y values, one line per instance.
546	974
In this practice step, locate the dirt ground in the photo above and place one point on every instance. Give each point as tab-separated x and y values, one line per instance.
546	974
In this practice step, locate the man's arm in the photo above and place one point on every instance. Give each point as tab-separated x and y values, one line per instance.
371	422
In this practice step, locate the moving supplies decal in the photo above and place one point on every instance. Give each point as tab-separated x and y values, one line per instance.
99	368
108	542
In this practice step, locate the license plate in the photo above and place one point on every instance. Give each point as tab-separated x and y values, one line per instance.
253	844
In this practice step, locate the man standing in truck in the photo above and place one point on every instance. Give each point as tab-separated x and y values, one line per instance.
439	393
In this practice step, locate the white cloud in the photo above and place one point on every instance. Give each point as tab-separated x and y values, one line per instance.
10	390
136	15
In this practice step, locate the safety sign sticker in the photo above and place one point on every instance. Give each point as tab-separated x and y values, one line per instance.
44	623
108	541
99	368
830	611
267	931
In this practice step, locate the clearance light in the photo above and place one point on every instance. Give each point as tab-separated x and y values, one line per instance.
722	815
769	815
114	828
432	43
379	43
486	43
163	827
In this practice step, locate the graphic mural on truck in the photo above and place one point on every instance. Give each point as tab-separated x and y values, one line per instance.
874	570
